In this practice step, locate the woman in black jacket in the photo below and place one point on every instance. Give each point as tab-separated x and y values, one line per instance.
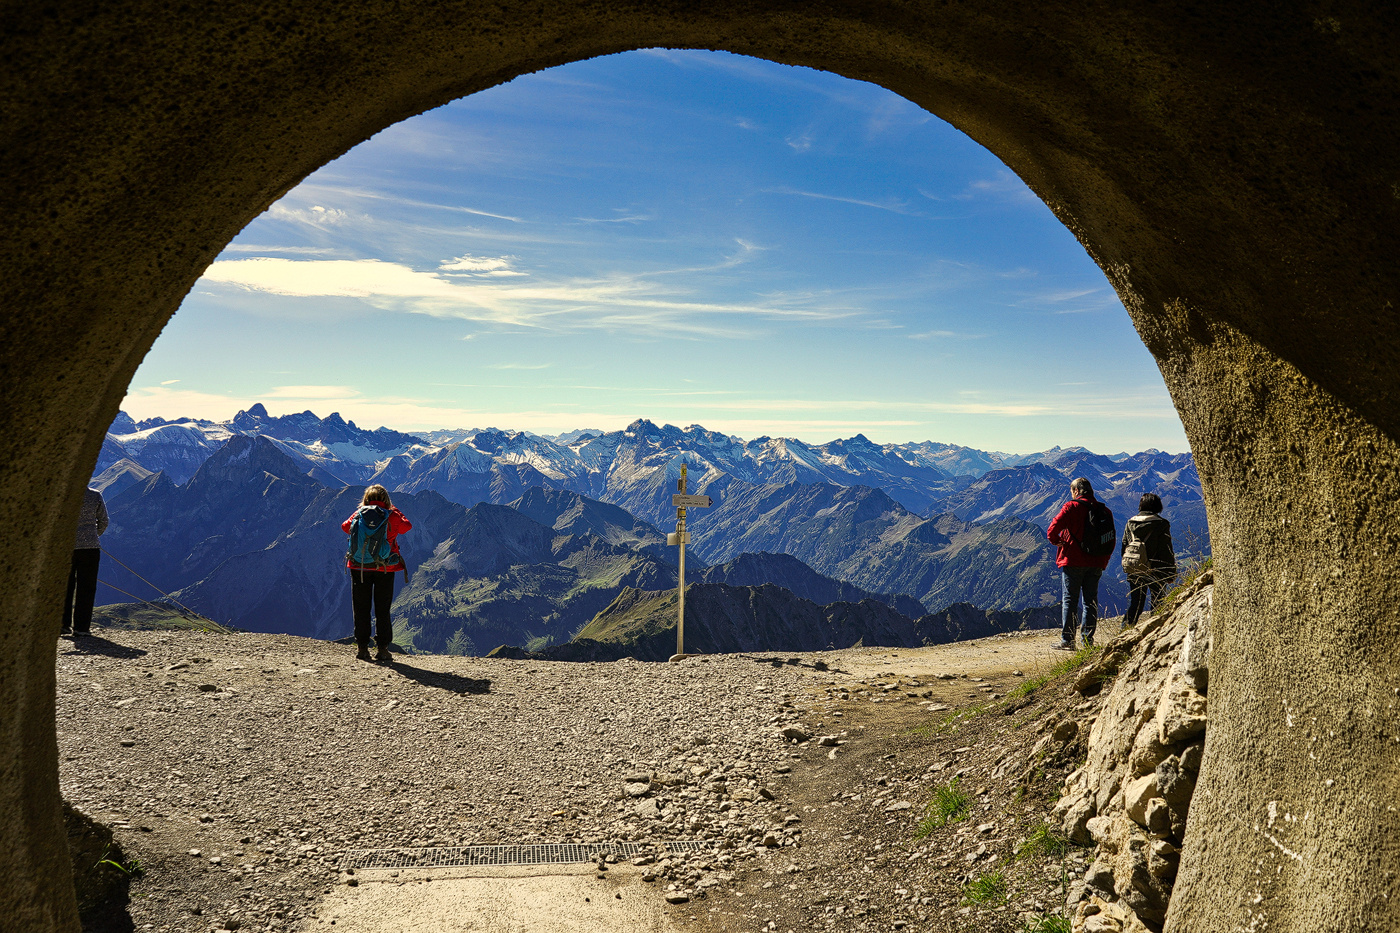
1149	560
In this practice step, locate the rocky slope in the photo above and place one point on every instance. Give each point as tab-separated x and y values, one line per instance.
1132	797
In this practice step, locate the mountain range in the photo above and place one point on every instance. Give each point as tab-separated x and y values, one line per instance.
525	538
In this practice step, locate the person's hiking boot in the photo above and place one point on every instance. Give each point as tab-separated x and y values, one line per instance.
1065	646
66	630
363	653
382	656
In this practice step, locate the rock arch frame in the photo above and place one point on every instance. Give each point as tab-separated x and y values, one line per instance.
1233	168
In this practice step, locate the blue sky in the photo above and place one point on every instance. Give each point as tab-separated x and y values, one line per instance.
690	237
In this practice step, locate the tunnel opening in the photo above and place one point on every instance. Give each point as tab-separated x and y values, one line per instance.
767	251
1269	342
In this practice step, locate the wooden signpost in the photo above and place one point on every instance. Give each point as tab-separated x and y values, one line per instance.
682	501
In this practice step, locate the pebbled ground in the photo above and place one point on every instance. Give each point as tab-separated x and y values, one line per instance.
239	769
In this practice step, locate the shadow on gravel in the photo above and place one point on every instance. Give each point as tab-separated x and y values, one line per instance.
440	679
796	662
101	874
96	644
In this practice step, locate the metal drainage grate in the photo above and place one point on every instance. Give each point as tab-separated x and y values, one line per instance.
543	854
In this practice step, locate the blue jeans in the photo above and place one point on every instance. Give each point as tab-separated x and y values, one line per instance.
1079	581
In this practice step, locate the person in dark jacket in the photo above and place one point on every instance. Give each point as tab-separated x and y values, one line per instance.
1079	572
1149	559
373	583
82	574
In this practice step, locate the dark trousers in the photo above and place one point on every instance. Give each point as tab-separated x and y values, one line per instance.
1080	584
82	589
377	587
1138	587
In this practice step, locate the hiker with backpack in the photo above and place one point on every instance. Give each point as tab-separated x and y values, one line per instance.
1149	559
373	559
1084	534
82	574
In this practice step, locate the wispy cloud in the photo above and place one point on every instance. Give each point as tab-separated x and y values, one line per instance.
170	382
620	302
1071	301
293	250
521	365
1003	186
890	204
800	142
426	205
622	218
480	265
311	392
315	216
947	334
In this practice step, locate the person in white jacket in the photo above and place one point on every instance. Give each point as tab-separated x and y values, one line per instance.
82	576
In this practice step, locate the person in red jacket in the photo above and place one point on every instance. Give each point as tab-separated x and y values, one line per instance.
1079	572
373	559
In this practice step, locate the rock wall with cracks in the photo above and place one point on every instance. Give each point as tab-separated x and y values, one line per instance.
1132	797
1232	168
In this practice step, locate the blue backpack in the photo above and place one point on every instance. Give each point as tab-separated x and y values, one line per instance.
369	539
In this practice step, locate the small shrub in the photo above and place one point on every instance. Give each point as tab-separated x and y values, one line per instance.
949	805
1046	923
1041	841
986	890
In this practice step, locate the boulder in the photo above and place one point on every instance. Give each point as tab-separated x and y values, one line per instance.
1176	786
1136	797
1148	750
1127	850
1075	821
1181	711
1158	817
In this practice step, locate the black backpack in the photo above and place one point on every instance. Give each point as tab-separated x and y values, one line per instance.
1100	537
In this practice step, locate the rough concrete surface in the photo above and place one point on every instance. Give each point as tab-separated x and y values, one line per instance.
1232	168
564	900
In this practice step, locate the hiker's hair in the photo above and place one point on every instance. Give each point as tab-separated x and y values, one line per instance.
377	493
1081	487
1150	502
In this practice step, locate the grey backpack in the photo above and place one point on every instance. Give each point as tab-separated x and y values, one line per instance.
1135	560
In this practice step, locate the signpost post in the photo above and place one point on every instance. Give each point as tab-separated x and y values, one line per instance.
682	501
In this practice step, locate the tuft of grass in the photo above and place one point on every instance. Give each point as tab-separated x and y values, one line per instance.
950	804
1193	570
949	723
1073	662
1043	840
986	890
132	869
1046	923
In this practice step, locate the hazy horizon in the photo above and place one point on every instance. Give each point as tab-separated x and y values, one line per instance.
600	429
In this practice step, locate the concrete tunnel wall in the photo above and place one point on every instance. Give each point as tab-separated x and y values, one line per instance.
1232	168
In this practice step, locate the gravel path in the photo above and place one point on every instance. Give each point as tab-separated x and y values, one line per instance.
239	770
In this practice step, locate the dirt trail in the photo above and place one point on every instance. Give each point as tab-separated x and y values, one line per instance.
239	770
